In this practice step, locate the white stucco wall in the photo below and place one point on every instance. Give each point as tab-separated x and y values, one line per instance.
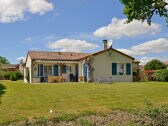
28	65
102	66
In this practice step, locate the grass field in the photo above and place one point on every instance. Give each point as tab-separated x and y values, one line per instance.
19	101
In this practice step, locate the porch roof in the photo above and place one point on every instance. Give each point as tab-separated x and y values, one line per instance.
56	56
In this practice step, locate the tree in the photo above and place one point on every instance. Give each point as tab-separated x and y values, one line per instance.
144	10
155	65
3	60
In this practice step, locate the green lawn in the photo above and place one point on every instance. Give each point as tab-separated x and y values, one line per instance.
19	101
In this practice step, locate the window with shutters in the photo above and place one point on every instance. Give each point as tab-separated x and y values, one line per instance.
114	68
120	69
47	71
128	69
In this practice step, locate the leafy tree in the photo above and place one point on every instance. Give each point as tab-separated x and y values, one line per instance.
3	60
144	9
155	65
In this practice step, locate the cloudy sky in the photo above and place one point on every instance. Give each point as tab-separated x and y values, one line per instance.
77	25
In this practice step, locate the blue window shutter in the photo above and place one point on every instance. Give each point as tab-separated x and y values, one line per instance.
128	69
64	69
55	70
114	68
40	70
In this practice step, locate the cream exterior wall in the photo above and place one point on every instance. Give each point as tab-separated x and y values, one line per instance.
28	65
102	66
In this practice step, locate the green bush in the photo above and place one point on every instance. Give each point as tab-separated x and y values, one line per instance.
1	75
16	75
161	75
158	115
13	77
7	75
155	65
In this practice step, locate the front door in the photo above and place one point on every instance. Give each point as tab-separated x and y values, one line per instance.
85	72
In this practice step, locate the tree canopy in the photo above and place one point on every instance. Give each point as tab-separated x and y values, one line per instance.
155	65
144	10
3	60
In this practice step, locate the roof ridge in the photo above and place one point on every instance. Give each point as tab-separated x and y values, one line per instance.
56	52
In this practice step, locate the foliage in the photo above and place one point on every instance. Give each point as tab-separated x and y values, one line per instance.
136	77
16	75
155	65
157	114
161	75
144	9
143	76
3	60
1	75
65	117
149	74
85	123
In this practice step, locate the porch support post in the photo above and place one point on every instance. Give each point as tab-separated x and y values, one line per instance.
60	69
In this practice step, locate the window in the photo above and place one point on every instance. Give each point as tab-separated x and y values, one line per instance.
114	68
121	69
128	69
47	71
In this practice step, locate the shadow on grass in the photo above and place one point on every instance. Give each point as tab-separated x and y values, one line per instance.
2	90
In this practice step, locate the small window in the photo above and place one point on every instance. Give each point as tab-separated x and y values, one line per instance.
47	71
121	69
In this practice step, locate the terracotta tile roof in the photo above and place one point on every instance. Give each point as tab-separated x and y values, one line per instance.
93	54
44	55
166	63
7	66
136	61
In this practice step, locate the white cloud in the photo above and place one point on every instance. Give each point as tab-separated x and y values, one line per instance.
145	60
167	5
28	39
68	45
22	58
13	10
153	46
118	28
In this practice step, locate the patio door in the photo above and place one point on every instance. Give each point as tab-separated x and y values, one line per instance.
85	72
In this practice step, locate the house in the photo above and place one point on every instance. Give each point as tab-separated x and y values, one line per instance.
107	65
9	67
166	63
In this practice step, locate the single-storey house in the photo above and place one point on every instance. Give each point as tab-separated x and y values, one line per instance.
10	67
107	65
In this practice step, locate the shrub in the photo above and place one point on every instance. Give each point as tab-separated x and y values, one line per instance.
1	75
13	75
155	65
7	75
149	74
161	75
158	115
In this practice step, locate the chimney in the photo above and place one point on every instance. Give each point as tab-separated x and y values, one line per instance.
104	44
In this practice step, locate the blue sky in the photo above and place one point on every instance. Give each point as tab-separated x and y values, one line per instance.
77	25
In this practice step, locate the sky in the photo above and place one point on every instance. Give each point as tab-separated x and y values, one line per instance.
77	25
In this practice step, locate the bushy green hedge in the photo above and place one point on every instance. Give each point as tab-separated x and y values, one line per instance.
1	75
13	76
161	75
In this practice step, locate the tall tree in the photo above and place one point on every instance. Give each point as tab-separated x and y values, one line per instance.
145	9
155	65
3	60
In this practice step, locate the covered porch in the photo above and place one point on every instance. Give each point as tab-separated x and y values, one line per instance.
55	71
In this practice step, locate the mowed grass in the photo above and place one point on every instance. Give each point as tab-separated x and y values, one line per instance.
25	101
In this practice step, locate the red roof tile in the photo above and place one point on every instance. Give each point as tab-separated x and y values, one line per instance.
44	55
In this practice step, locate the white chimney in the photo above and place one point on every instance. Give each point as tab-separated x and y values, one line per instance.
104	44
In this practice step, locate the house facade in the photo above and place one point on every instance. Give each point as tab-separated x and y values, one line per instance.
107	65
